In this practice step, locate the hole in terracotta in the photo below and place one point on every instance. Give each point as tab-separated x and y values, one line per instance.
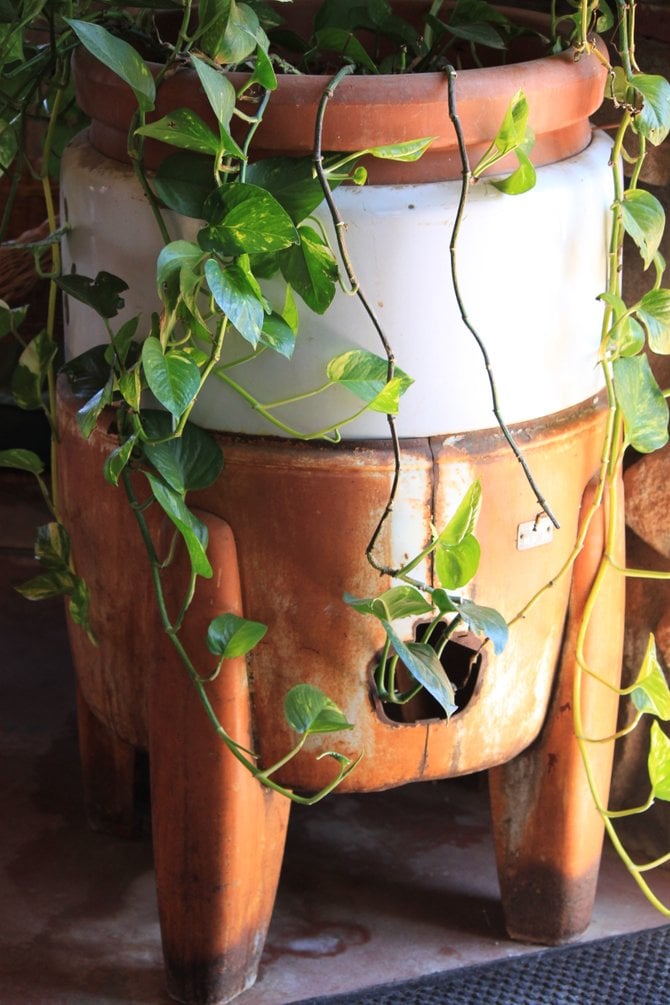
463	660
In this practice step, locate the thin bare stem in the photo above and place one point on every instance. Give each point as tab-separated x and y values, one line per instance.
340	227
465	187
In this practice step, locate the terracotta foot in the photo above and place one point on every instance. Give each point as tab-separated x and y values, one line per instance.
218	834
547	832
108	767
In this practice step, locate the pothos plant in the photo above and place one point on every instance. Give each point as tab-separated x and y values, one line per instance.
257	223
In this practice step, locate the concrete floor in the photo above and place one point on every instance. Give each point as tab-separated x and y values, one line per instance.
374	889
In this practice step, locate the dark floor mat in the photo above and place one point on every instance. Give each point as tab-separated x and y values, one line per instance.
624	970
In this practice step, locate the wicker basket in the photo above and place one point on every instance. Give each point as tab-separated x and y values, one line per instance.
18	276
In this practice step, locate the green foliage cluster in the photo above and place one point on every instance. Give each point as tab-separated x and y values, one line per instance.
257	222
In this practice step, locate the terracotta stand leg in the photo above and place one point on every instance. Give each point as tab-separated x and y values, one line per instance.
108	774
547	832
218	834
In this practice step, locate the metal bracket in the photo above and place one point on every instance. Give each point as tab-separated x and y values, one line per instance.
534	533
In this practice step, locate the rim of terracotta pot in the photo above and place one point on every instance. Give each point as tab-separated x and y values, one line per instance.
365	111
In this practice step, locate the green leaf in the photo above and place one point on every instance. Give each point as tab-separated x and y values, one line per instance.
653	121
173	377
617	85
118	459
218	89
520	181
457	551
192	530
79	606
237	298
88	372
479	34
32	370
485	621
213	17
651	694
244	219
341	41
457	564
21	460
511	135
360	604
464	520
645	410
241	36
174	257
311	270
184	181
308	710
654	313
388	399
188	462
445	603
230	636
363	373
101	293
11	318
422	662
55	583
123	342
130	388
183	128
263	72
407	152
52	547
277	335
88	414
398	602
643	218
626	336
659	763
120	57
291	180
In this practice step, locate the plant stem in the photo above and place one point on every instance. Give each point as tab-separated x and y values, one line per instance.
340	227
467	177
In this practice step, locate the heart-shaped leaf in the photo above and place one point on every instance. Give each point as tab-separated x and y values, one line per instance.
645	410
651	694
308	710
653	121
654	313
218	89
173	377
311	270
192	530
120	57
658	763
188	462
643	218
485	621
422	662
231	636
245	219
183	128
364	374
238	299
21	460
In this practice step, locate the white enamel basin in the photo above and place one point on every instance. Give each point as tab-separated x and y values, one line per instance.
530	267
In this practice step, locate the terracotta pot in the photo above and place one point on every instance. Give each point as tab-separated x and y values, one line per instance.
373	110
